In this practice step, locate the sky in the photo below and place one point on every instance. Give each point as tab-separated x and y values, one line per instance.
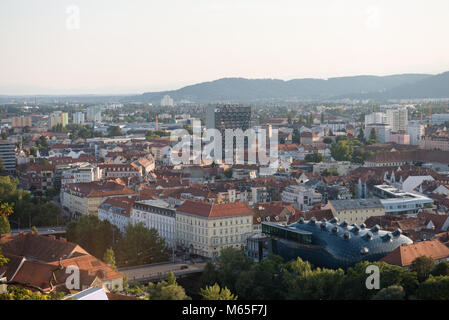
135	46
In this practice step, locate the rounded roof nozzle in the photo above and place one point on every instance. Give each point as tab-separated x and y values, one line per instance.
334	220
312	221
355	229
362	226
335	230
368	236
397	232
344	224
375	229
387	237
364	251
346	235
301	220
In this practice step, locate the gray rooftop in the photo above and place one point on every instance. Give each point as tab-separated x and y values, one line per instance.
356	204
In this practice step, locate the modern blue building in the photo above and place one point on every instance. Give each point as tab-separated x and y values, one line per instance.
331	244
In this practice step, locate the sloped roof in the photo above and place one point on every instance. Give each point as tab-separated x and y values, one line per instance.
215	210
405	254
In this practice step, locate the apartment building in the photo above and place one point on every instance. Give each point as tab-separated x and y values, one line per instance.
85	198
117	210
301	197
21	122
356	210
205	228
156	214
8	155
120	170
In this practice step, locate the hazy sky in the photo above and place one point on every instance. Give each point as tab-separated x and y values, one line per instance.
112	46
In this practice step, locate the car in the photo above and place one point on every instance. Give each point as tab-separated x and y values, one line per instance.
183	267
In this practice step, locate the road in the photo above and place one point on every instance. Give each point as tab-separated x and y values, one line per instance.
42	230
160	271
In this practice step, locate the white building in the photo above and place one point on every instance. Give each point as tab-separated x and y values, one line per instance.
416	131
59	118
167	101
156	214
81	172
398	202
382	130
398	119
375	118
94	114
117	211
300	197
205	229
78	118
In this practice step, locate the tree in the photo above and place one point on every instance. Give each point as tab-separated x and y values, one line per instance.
114	131
3	260
434	288
109	258
141	246
166	290
323	284
229	265
322	118
216	293
441	269
42	143
327	140
94	235
341	151
296	136
423	267
373	136
6	210
266	280
361	135
2	166
315	157
228	173
15	293
393	292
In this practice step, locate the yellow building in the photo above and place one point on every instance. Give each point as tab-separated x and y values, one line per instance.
84	198
356	210
206	228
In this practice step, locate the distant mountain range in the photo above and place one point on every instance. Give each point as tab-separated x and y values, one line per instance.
400	86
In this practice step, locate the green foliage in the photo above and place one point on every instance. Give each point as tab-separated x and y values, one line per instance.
109	258
92	234
265	280
441	269
327	140
296	136
166	290
228	173
434	288
42	143
326	173
315	157
141	246
230	264
3	260
423	267
216	293
393	292
373	135
114	131
342	150
5	227
15	293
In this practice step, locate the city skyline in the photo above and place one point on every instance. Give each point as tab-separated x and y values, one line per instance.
112	47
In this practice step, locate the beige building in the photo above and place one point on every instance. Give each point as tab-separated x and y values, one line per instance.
356	210
85	198
20	122
205	228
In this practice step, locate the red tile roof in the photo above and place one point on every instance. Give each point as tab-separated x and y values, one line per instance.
215	210
405	254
